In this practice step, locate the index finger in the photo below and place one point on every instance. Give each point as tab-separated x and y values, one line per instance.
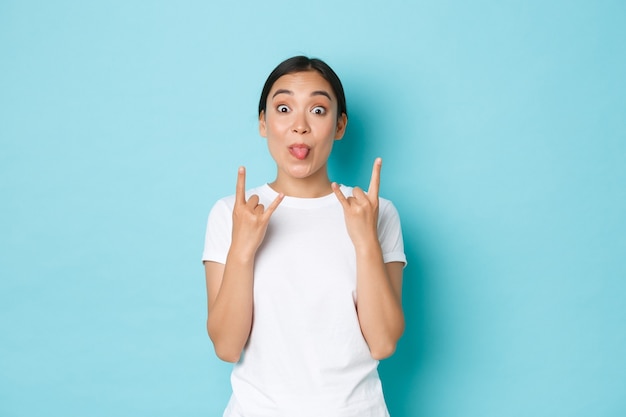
240	192
375	181
272	207
342	198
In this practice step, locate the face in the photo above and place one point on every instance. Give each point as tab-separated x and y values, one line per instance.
301	124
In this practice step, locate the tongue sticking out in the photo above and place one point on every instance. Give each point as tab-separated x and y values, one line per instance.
299	152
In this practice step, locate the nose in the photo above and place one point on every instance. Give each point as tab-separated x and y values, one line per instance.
301	124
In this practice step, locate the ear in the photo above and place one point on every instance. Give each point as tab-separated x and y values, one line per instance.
262	129
342	123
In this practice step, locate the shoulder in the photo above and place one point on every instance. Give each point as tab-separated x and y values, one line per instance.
383	203
222	209
386	205
387	210
229	201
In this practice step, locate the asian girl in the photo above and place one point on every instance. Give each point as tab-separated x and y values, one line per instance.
303	275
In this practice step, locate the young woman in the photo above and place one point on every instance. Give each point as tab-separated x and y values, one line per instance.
304	276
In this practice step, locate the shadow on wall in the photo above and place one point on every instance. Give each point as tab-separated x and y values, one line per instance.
351	160
400	372
351	164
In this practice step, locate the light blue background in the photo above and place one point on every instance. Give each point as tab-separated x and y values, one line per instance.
502	126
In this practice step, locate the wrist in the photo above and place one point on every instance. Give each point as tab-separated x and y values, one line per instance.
368	247
242	254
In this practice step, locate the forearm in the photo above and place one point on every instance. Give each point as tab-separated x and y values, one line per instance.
379	305
230	316
230	292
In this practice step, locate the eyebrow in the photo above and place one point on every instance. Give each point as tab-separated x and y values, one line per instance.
314	93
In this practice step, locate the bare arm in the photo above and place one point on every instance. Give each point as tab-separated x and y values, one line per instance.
230	286
379	305
379	285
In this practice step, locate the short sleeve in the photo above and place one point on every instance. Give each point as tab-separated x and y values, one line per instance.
390	233
218	233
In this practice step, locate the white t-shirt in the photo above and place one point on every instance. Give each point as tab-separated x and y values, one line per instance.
306	355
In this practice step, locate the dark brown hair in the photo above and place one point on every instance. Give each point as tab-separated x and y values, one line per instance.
303	63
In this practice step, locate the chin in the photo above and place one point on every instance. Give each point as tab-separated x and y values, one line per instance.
300	172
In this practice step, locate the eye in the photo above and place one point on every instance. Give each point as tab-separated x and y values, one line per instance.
282	108
318	110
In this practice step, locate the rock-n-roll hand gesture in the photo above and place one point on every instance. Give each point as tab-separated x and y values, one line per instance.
230	285
361	209
379	284
250	219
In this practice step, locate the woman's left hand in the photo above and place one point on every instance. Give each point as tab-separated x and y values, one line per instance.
361	209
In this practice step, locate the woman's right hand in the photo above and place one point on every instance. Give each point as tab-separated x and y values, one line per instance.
230	285
250	219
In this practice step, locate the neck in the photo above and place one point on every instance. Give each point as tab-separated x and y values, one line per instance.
309	187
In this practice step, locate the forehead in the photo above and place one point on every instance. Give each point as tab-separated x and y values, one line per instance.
304	82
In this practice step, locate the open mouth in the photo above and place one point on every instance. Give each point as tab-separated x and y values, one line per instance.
299	151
